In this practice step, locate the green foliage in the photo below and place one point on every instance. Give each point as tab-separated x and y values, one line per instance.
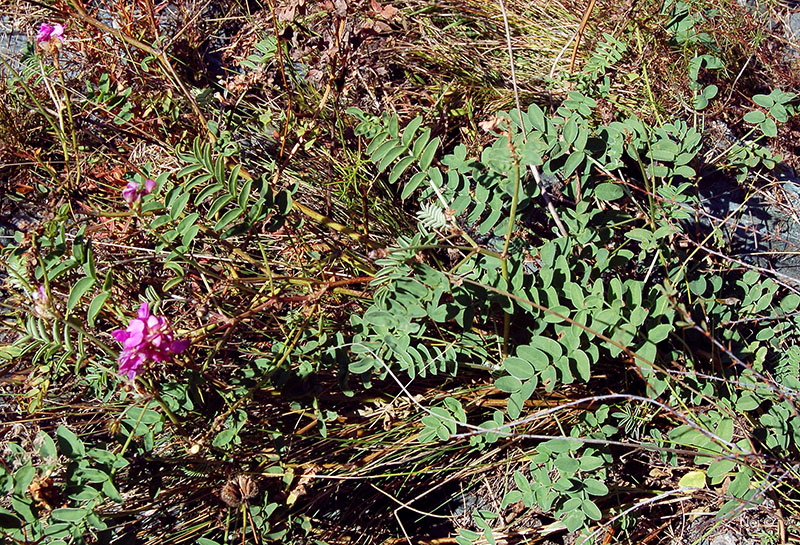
779	108
595	77
685	22
581	305
265	53
234	205
88	483
111	98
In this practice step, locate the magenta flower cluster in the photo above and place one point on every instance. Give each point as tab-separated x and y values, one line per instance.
50	35
147	338
134	192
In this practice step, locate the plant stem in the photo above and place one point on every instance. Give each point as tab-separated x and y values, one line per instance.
507	243
161	403
59	128
130	436
71	124
650	96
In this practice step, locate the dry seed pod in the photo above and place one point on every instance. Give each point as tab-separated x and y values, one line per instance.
238	490
45	493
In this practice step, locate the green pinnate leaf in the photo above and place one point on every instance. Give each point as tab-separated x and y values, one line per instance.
511	497
23	478
420	142
410	130
582	364
207	192
590	463
399	168
413	184
739	485
96	306
78	291
608	191
769	128
790	302
595	487
560	445
384	148
659	333
755	117
69	444
574	520
518	368
591	510
574	160
700	102
228	217
764	100
720	468
508	384
426	158
390	156
68	514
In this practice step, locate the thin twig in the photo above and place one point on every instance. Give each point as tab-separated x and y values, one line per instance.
584	21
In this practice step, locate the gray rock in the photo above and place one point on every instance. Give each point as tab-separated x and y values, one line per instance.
761	229
726	538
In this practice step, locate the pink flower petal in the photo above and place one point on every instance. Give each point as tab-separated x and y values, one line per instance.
136	327
144	311
149	186
45	31
136	331
156	356
131	192
154	323
130	364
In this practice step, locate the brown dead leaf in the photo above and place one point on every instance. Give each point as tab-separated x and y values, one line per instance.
340	7
387	11
288	12
492	124
238	490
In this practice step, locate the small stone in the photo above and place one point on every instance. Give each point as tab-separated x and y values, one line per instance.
723	539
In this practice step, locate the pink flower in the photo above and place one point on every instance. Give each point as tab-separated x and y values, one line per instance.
41	304
147	338
133	192
50	35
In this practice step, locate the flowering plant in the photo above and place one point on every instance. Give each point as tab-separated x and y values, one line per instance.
50	37
147	338
134	192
